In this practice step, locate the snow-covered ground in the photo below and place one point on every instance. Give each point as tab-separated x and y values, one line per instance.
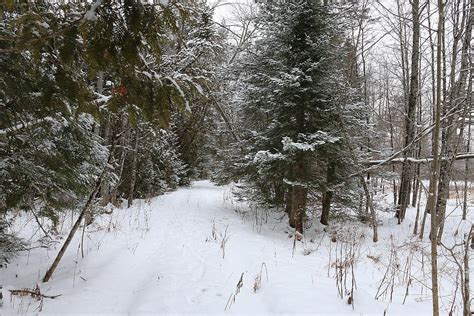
185	252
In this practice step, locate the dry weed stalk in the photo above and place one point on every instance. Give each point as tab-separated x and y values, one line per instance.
402	274
258	279
297	237
459	253
375	259
233	296
224	240
213	233
346	255
387	283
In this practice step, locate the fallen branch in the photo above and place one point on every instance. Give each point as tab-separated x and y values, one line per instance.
34	293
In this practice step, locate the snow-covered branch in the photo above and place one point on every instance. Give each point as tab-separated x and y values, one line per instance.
382	162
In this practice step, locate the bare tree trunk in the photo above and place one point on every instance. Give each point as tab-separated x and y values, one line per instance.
298	196
76	225
327	195
466	273
410	118
403	51
451	141
298	171
133	176
466	171
279	191
417	179
423	222
288	201
420	189
416	185
326	207
431	203
433	113
298	207
370	203
468	142
392	145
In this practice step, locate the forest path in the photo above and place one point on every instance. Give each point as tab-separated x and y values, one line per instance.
165	256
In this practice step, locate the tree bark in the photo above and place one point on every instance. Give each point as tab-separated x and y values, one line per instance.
133	175
450	141
466	166
417	218
410	118
469	125
417	179
466	273
326	207
279	192
298	207
327	194
298	196
288	201
431	203
392	145
370	204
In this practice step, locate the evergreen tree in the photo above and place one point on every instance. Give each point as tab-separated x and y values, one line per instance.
79	79
49	153
296	107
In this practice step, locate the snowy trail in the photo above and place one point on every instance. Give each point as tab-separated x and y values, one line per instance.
161	257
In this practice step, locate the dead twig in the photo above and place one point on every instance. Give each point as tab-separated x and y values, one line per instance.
258	279
33	293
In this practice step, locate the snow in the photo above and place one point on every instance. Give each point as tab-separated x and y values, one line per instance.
102	99
265	156
181	93
166	255
308	142
90	15
19	126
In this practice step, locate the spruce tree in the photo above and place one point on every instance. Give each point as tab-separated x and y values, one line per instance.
296	107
